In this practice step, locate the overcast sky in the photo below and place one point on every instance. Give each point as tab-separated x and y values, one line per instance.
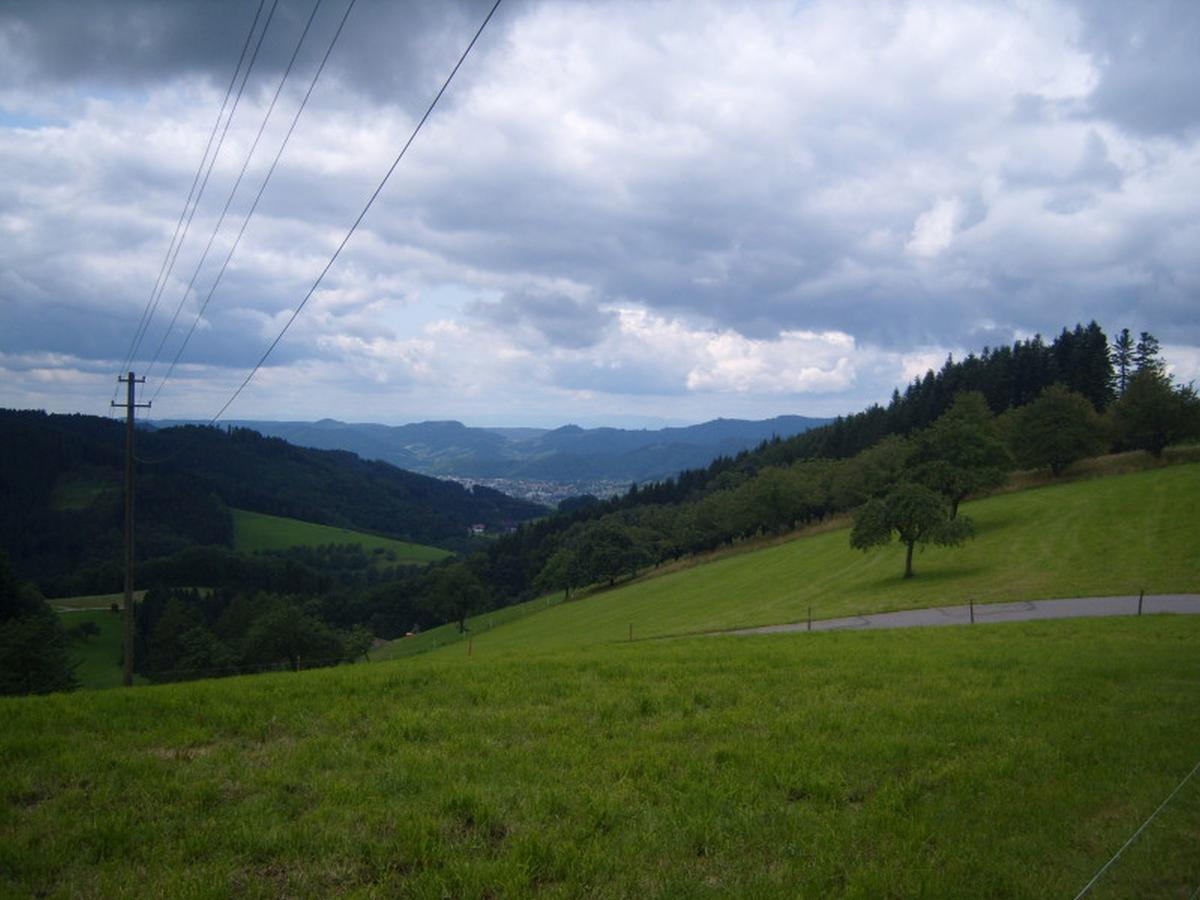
622	212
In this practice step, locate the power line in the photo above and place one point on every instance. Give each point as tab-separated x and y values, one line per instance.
212	162
139	331
254	206
370	202
233	191
207	174
1087	887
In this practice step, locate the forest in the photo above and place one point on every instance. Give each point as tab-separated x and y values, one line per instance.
61	503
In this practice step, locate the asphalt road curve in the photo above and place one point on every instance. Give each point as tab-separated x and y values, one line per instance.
1023	611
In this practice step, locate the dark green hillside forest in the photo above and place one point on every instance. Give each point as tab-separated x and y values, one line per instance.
34	657
60	487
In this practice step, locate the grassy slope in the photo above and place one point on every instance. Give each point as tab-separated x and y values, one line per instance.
256	531
1011	760
99	657
1102	537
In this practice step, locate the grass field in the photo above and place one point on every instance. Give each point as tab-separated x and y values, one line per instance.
1100	537
93	601
99	656
1003	761
254	531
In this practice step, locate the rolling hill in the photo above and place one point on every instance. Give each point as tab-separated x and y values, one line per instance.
560	759
1098	537
256	532
61	502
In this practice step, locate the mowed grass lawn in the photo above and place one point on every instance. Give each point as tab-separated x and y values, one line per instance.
1001	761
1105	537
255	531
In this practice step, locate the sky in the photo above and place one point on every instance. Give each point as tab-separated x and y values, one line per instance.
627	213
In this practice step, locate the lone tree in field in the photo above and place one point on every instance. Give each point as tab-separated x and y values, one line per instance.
915	514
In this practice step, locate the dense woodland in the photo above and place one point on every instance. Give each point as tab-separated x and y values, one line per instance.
902	470
61	503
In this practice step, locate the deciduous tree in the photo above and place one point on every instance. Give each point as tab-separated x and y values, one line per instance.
961	452
1056	429
1152	413
914	514
454	592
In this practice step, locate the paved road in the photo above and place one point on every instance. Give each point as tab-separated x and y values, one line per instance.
999	612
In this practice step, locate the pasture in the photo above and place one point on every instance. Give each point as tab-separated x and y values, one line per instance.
1010	760
1101	537
254	532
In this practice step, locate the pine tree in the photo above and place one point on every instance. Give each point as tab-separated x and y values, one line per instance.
1145	355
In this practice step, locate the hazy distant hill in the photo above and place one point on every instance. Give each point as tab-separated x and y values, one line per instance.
567	454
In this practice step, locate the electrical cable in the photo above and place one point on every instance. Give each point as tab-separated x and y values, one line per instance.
1087	887
143	322
212	162
208	173
254	206
361	215
233	191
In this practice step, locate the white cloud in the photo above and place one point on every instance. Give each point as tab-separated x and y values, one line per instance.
933	232
752	207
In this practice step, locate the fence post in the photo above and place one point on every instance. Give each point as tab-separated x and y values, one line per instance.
972	610
1141	595
810	617
470	644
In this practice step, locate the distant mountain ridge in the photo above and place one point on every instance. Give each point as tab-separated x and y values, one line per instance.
566	454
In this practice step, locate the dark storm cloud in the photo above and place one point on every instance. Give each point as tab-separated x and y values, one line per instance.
399	48
558	320
909	176
1149	59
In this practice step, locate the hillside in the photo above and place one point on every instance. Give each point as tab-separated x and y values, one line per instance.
558	758
1099	537
256	532
61	503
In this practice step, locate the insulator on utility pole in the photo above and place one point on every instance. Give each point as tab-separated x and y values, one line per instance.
129	406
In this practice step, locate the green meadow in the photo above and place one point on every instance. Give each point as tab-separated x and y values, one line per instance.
1005	761
99	656
1100	537
253	532
550	756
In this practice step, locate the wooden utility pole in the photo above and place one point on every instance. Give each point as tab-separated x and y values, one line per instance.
130	406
